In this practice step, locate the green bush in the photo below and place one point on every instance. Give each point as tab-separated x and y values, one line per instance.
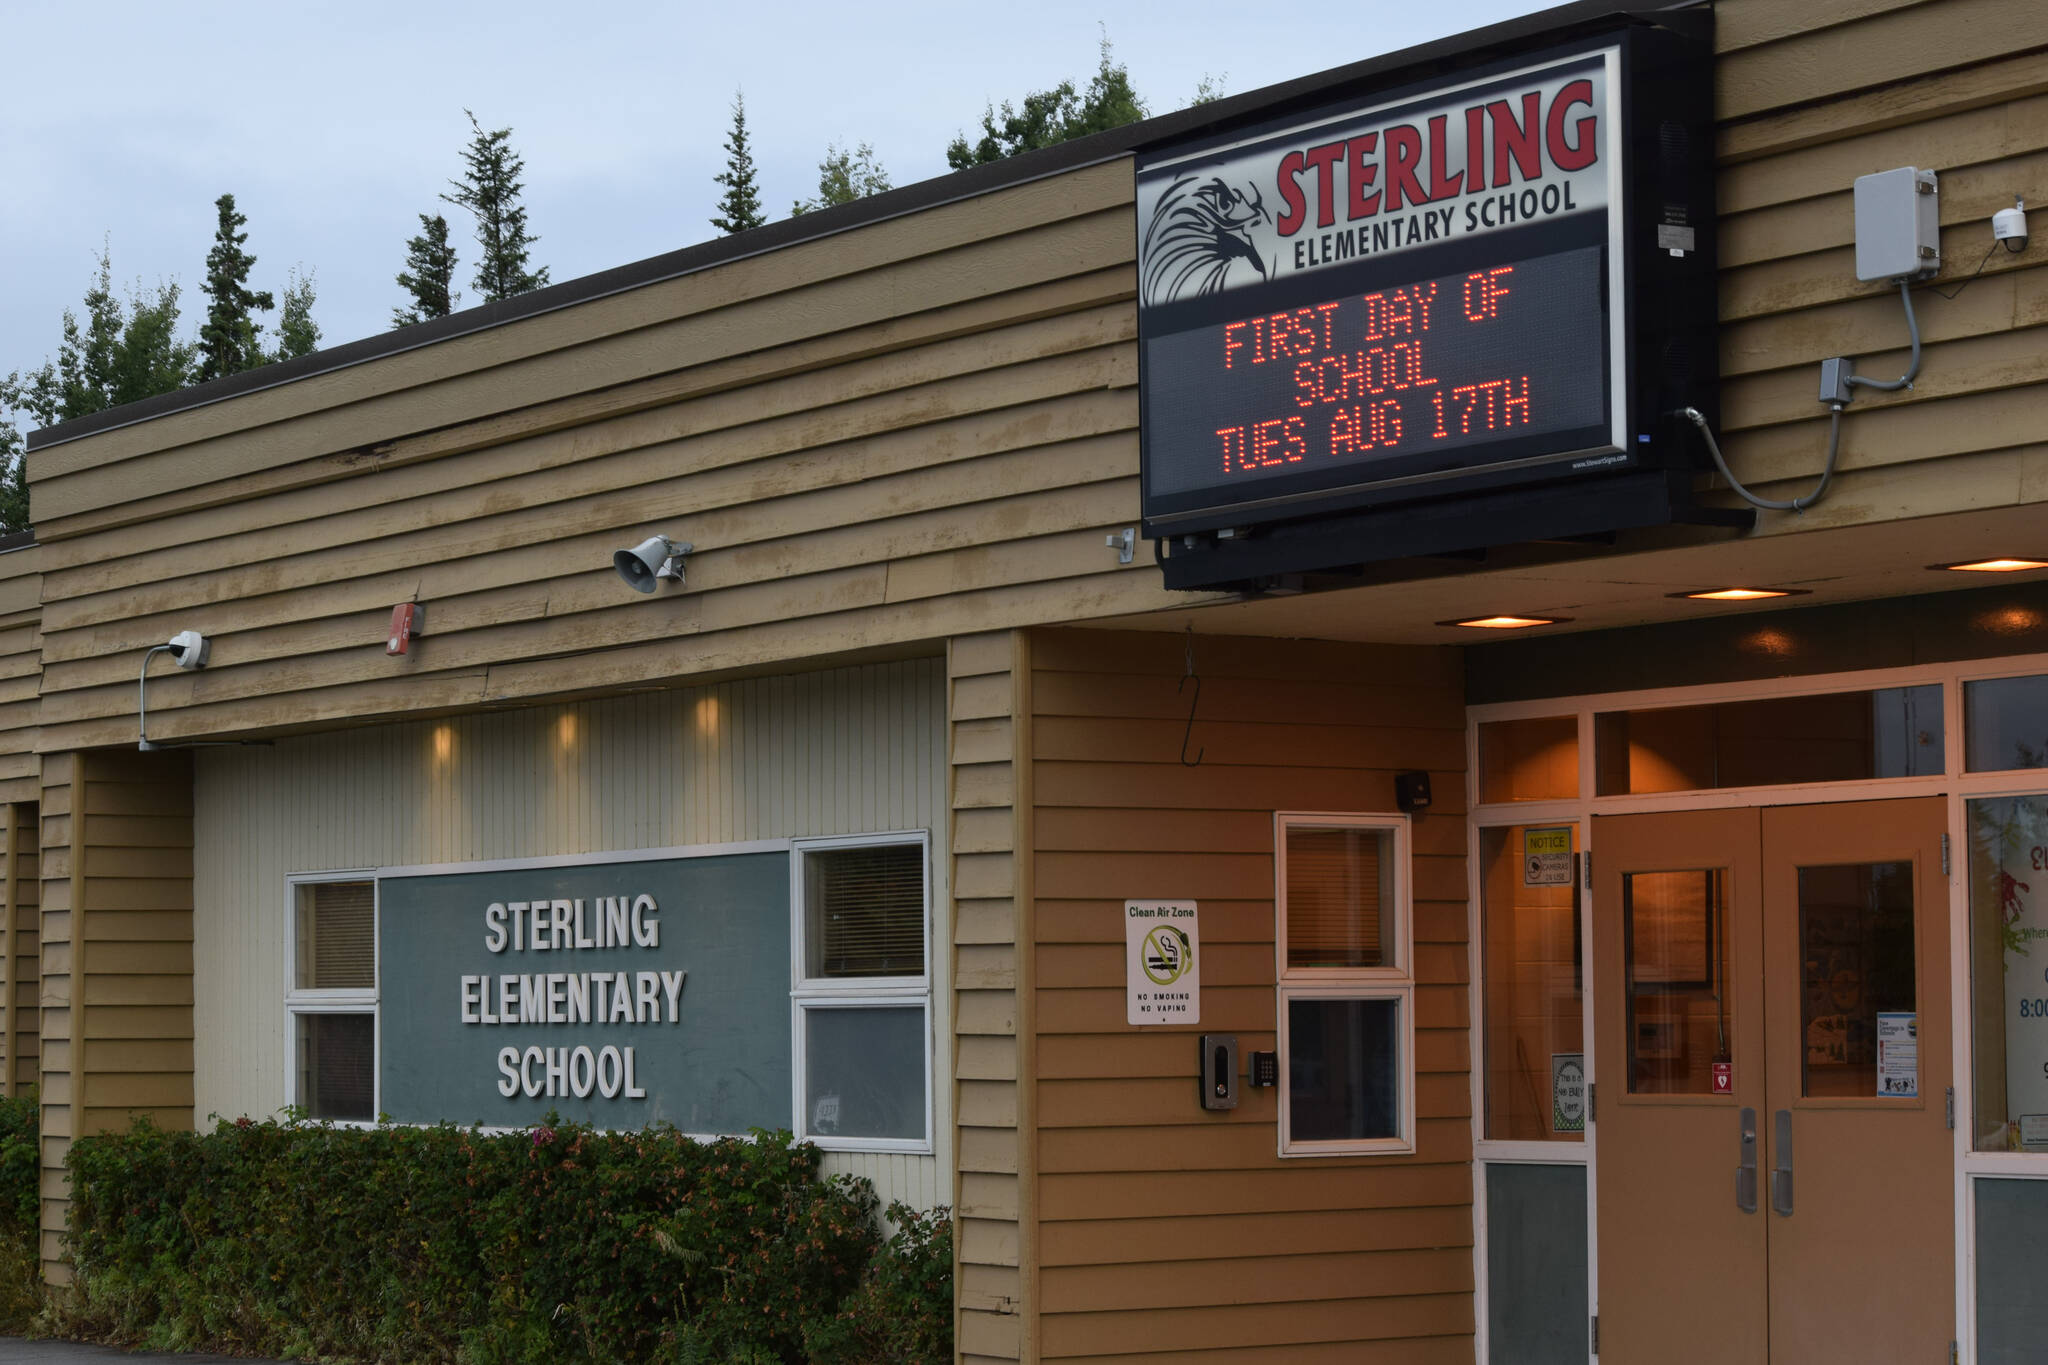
902	1314
445	1244
20	1210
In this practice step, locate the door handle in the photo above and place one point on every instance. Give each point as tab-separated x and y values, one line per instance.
1745	1166
1781	1166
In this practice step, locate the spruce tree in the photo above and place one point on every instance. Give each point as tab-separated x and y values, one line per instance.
844	176
490	189
428	275
739	208
228	341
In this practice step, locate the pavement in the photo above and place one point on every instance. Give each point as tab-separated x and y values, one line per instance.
15	1351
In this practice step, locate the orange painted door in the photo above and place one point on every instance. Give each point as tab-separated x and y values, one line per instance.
1856	970
1773	1153
1678	958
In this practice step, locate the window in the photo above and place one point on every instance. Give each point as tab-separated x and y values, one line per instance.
2008	868
1534	994
1771	741
331	1003
1346	985
861	1001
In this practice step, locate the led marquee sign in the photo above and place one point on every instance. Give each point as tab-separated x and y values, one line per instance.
1414	296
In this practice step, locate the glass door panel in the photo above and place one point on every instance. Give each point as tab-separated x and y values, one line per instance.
1857	1014
1675	928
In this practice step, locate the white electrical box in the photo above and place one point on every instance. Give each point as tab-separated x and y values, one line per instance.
1898	225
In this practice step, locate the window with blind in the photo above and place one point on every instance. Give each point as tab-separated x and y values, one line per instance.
862	998
1344	1012
1339	882
864	911
332	998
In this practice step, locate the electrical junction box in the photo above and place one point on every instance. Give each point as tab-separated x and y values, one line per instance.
1898	225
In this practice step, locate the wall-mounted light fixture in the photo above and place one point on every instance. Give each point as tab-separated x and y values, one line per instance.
652	560
189	650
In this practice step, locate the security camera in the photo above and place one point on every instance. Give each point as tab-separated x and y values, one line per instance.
2010	226
652	560
189	649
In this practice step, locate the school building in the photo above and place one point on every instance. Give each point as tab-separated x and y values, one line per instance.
1402	717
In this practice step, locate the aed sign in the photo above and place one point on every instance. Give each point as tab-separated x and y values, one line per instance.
1378	298
615	993
1162	963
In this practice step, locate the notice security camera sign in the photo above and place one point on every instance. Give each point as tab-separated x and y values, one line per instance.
1162	963
1547	856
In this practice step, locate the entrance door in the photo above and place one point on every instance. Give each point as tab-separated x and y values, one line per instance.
1773	1030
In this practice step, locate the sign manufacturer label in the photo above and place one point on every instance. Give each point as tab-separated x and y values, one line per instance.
1162	963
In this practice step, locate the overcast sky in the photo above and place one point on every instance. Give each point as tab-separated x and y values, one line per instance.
335	124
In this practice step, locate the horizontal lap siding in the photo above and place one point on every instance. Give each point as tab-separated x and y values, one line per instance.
990	1076
21	595
1811	96
115	954
20	958
918	428
1166	1231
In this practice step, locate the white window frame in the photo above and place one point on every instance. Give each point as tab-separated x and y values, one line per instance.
808	993
299	1002
1394	982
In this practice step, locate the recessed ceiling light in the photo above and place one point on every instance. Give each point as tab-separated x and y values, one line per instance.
1506	622
1739	594
1994	565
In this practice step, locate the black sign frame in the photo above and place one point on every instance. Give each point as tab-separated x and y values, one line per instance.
1657	353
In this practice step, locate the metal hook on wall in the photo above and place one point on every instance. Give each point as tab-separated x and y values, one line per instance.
1190	676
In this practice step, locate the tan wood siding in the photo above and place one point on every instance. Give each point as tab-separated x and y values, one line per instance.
919	428
993	1267
1811	96
115	954
838	751
21	637
1164	1229
20	955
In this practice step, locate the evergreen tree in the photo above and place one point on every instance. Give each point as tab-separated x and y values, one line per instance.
118	356
428	275
1050	117
297	333
229	340
739	208
844	176
490	189
13	464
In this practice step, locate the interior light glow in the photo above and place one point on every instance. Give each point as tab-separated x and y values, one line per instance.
1994	565
1739	594
1505	622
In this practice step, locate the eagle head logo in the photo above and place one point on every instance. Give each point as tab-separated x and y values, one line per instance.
1200	230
